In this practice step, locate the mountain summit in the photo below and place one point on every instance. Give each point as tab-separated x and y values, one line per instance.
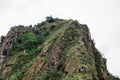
55	49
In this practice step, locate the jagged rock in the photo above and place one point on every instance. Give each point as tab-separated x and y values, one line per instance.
66	52
2	39
7	65
82	69
4	52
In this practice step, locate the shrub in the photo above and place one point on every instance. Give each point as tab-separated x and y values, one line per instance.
52	74
40	24
52	27
28	41
1	78
49	19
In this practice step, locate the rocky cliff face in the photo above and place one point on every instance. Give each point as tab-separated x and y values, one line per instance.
55	49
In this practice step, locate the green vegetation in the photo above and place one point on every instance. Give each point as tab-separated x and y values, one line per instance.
1	78
51	74
28	41
55	49
49	19
111	77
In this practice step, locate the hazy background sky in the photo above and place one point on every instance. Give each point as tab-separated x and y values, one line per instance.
101	16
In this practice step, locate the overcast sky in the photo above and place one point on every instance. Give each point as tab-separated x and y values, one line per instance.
101	16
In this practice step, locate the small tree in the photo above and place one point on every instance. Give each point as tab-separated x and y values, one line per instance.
49	19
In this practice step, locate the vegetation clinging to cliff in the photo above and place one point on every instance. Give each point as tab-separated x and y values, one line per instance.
54	49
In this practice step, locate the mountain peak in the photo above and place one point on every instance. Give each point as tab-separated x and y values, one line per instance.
55	49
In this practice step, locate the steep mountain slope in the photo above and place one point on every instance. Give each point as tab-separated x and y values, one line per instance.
55	49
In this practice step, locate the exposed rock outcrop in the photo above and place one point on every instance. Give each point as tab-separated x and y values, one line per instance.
51	50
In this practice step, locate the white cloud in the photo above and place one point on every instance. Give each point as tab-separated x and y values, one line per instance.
102	16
